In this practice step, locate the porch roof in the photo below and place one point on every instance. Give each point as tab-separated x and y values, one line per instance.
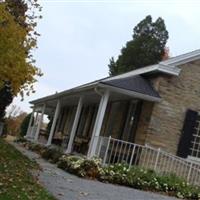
131	82
135	83
135	86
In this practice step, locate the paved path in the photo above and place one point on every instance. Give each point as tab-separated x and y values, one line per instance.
65	186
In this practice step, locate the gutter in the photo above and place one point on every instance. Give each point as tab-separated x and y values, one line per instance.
62	94
182	59
172	70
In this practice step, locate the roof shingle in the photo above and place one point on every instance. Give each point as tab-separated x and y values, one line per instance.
134	83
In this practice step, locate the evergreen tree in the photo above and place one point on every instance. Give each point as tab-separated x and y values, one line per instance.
146	48
24	125
113	67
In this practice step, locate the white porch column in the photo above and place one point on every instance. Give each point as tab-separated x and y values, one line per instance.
35	123
98	123
54	123
39	123
75	125
28	132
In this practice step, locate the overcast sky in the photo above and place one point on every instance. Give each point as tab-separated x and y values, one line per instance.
78	37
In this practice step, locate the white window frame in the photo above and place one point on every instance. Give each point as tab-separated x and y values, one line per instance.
195	151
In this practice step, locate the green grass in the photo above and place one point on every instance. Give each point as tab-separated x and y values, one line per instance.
16	181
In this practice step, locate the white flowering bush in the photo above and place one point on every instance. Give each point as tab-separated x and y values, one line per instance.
121	174
89	168
148	180
70	163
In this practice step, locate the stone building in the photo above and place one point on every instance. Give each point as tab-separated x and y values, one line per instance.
156	105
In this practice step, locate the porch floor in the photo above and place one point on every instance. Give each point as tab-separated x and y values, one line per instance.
65	186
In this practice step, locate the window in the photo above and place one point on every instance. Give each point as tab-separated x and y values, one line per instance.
128	132
195	147
114	119
121	119
86	122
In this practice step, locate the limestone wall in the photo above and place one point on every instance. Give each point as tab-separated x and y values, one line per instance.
178	94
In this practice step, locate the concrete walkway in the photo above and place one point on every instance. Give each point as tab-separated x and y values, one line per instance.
65	186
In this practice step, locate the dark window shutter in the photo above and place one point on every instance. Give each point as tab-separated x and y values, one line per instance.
188	130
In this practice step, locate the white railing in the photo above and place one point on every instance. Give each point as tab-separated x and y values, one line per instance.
118	151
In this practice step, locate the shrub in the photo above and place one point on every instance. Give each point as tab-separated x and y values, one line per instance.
114	174
80	166
36	148
70	163
5	128
148	180
24	125
51	154
121	174
20	140
90	168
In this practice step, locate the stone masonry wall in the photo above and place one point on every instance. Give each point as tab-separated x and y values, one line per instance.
178	94
143	122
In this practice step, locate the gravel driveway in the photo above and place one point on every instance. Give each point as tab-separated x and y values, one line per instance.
65	186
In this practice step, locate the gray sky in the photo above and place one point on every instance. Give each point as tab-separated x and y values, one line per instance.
78	37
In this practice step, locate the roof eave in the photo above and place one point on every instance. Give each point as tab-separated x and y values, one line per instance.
182	59
172	70
64	93
130	93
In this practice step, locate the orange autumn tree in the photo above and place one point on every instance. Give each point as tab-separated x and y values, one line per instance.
18	38
166	54
16	63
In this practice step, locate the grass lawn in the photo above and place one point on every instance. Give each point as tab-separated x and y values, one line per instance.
16	181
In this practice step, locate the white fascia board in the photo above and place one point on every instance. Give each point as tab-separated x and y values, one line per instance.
182	59
62	94
172	70
130	93
142	70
